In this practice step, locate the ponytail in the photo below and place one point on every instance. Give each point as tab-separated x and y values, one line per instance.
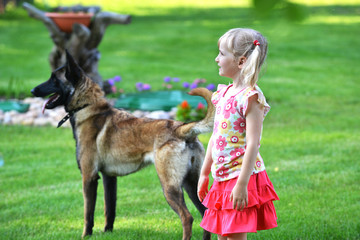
252	65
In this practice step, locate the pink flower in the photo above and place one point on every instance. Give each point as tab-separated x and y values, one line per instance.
258	164
235	163
240	125
200	106
222	172
221	143
221	159
235	154
234	139
216	125
230	107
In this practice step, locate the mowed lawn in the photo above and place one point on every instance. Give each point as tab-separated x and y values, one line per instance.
310	139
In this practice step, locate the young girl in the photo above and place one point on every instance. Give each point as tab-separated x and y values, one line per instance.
241	197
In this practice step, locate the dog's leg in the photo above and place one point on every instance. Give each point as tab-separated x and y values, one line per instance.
110	188
89	193
190	185
175	198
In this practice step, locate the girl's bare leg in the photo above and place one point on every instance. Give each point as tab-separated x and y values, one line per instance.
237	236
222	237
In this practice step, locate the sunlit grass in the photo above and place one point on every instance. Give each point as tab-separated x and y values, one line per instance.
310	138
344	20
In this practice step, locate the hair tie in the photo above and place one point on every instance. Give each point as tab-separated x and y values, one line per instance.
256	43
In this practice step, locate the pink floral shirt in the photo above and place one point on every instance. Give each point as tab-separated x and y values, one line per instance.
229	135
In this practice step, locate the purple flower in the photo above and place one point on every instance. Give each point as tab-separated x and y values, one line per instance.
146	87
186	85
139	86
111	81
117	78
167	79
197	81
176	79
193	85
211	87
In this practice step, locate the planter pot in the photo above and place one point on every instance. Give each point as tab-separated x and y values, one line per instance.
158	100
65	21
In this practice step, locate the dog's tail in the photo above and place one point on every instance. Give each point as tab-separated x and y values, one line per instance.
192	129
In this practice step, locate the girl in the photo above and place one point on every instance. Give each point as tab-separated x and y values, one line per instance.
241	197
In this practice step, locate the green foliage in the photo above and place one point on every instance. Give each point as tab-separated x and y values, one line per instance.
290	11
185	113
310	136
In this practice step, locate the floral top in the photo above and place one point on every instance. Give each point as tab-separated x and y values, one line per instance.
229	135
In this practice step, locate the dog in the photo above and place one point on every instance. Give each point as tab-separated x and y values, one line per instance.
116	143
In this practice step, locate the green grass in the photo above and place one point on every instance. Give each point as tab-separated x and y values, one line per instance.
310	139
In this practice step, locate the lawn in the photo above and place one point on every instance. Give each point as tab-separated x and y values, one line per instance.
310	138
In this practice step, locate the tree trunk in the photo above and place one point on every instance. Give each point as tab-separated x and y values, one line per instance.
83	41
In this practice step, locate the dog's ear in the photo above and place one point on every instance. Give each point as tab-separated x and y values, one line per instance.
73	72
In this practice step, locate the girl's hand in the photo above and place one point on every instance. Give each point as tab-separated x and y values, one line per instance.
203	185
239	197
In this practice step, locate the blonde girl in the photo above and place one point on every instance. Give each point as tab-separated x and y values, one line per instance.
241	197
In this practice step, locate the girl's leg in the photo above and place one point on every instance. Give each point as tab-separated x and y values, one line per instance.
221	237
237	236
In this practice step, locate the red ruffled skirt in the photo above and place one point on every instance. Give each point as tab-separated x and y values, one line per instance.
221	218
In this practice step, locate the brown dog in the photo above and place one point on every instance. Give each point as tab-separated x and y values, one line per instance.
116	143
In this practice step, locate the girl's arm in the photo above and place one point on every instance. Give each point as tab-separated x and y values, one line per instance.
203	183
254	120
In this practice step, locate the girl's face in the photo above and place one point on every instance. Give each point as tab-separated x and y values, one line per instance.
227	63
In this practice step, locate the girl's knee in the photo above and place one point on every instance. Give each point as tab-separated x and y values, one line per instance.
237	236
220	237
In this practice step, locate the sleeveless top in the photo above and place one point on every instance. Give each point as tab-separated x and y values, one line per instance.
229	134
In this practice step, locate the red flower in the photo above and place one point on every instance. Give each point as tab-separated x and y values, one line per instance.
258	164
235	154
185	104
221	143
222	172
221	159
230	107
240	125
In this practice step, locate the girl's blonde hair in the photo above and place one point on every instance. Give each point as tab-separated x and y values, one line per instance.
250	44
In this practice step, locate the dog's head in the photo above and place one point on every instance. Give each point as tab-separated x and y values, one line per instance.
64	84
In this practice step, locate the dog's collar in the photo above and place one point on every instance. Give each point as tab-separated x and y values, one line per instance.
70	114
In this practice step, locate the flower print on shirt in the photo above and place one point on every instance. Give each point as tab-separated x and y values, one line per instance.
221	143
222	172
240	125
225	126
235	139
230	107
258	164
218	109
216	126
229	137
237	153
221	159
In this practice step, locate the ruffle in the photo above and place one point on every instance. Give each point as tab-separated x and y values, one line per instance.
260	214
261	99
260	191
231	221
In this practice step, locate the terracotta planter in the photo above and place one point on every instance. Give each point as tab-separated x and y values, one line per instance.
65	20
